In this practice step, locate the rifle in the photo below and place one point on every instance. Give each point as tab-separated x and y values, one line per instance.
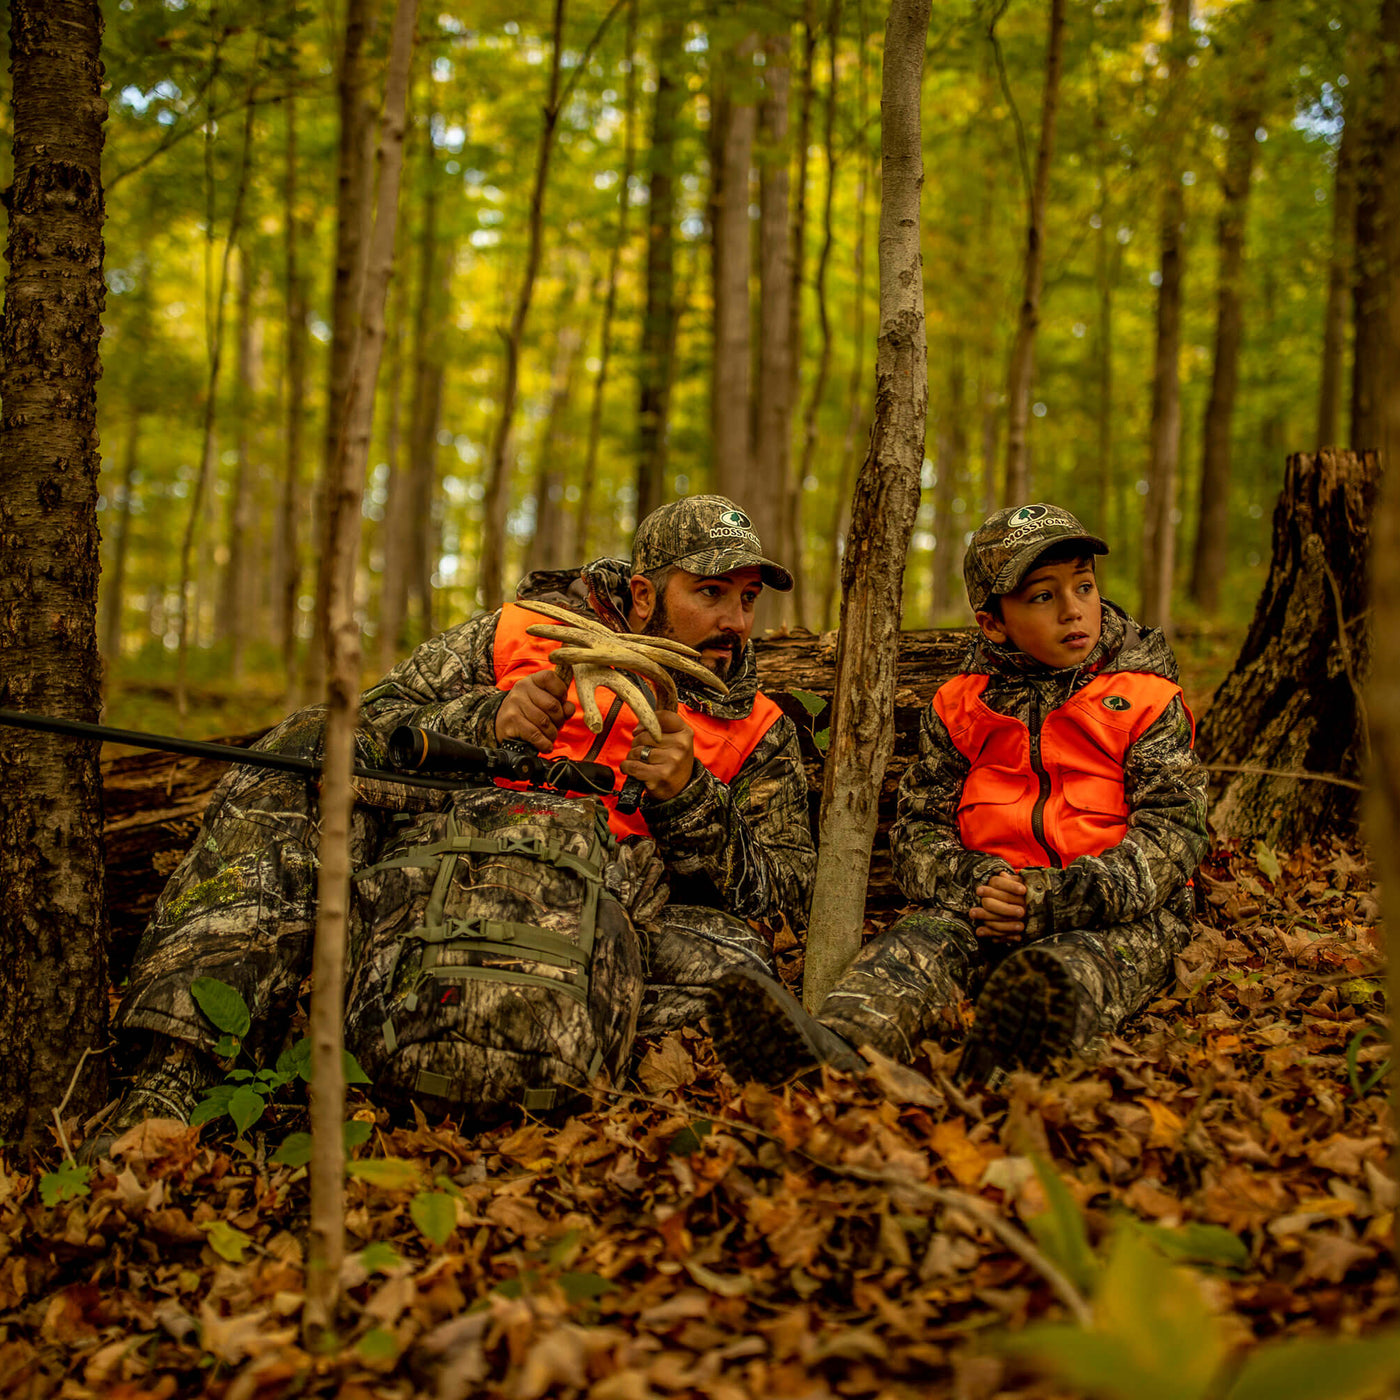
417	753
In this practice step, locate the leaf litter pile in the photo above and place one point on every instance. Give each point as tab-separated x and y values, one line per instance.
1219	1170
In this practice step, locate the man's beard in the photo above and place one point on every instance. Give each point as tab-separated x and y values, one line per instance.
658	625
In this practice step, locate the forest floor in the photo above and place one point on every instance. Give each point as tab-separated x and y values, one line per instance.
1212	1181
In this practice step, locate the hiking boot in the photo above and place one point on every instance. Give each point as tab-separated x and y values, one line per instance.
169	1082
1029	1013
761	1031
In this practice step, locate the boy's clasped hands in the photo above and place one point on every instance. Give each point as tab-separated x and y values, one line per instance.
1002	909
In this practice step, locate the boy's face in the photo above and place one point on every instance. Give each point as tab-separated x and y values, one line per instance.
1056	615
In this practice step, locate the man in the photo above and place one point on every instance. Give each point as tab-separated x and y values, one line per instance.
725	798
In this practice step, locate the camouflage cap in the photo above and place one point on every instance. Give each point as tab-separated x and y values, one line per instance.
1008	544
703	535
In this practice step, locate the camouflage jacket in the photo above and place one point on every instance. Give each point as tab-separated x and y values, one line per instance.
745	847
1164	781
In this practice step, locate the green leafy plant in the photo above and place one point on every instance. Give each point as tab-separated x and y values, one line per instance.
1153	1335
66	1184
1361	1087
814	704
245	1093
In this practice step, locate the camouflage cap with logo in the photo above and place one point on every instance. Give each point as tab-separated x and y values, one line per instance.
1008	544
706	535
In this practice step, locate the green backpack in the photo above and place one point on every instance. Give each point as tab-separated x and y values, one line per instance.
496	958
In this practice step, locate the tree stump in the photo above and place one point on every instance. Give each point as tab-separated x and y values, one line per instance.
1285	731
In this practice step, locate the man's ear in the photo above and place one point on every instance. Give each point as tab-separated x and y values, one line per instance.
992	628
643	601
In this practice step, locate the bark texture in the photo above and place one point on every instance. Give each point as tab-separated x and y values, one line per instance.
53	971
1292	703
326	1243
882	520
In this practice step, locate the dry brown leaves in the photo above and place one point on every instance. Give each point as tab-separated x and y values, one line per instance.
701	1239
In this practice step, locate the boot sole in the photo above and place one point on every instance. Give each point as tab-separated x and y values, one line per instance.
1026	1017
762	1033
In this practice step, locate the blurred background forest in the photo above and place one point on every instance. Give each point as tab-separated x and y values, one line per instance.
636	258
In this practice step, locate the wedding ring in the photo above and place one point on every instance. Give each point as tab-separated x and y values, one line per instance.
644	753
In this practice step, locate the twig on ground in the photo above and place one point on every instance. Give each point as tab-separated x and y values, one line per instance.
58	1112
1301	774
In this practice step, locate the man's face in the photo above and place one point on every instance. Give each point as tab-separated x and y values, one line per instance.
712	613
1055	616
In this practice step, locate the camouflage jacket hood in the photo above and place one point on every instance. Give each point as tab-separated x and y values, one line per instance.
1123	645
603	588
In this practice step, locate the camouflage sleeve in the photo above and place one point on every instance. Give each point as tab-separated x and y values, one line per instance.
930	861
1165	784
448	684
748	841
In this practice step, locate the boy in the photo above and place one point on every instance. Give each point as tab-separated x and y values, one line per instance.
1048	830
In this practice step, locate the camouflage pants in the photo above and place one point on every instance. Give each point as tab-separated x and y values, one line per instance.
241	907
905	984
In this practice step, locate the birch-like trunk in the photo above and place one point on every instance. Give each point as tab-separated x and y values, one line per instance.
882	520
1339	273
326	1245
1159	526
1022	368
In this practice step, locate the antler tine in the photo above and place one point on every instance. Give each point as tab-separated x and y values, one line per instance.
628	691
624	658
683	664
660	643
568	615
581	636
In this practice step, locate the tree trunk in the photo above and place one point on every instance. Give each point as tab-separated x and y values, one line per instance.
354	161
732	122
1159	527
211	394
656	369
237	605
497	499
951	464
404	536
53	971
326	1245
765	496
294	365
111	633
1339	274
1022	368
1291	703
579	545
546	551
855	389
882	519
1212	532
814	400
1383	703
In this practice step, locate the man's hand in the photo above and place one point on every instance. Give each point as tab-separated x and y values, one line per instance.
533	710
665	767
1002	910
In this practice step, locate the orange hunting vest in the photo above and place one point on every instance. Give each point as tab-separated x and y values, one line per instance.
722	745
1037	800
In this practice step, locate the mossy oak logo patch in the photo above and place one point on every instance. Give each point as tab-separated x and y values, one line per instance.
1026	514
737	519
734	525
1116	702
